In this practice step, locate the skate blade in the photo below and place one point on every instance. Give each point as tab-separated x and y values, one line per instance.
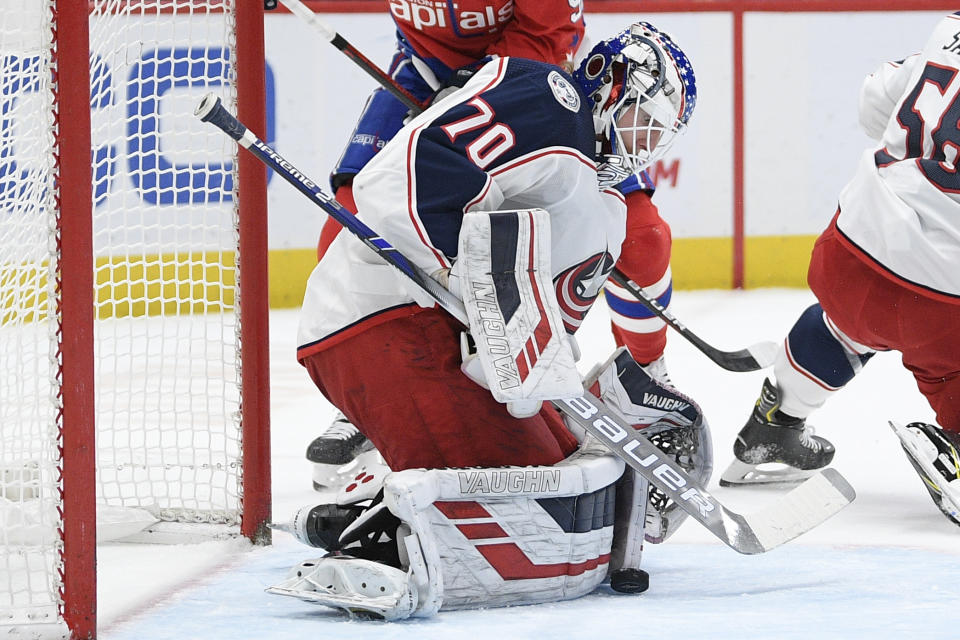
740	474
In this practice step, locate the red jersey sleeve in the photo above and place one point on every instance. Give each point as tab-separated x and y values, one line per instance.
547	30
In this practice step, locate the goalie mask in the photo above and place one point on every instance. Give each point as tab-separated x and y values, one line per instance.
643	92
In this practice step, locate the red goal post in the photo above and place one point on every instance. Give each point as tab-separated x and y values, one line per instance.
134	372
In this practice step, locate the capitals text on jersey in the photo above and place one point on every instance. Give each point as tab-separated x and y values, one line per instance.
424	14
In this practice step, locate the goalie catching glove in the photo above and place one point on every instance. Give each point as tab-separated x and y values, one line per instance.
523	354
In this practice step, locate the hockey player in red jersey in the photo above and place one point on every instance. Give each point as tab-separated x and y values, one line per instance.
435	40
886	273
504	191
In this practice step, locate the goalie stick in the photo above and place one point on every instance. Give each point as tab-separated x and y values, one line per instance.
753	358
799	511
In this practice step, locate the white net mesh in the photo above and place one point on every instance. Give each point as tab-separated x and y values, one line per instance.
29	430
165	251
165	240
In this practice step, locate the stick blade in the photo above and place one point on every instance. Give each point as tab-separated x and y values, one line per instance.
753	358
799	511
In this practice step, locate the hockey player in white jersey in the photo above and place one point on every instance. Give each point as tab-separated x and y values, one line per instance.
433	54
501	191
886	273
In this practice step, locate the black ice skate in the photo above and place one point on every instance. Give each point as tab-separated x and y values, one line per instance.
935	454
361	572
365	530
774	448
338	453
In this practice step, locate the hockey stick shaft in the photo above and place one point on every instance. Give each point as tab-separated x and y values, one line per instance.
821	496
752	358
302	11
211	110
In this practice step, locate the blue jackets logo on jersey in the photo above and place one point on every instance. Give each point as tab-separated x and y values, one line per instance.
563	91
578	286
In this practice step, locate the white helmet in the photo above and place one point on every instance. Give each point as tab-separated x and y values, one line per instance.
643	92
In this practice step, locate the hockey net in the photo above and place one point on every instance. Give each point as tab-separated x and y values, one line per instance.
171	377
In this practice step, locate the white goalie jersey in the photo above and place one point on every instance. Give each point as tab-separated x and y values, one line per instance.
518	135
902	207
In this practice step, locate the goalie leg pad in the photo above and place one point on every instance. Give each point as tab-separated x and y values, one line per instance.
504	277
478	538
514	535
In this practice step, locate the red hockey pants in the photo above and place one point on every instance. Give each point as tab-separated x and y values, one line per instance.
400	383
875	308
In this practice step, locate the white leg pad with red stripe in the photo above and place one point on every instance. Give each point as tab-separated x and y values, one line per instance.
505	536
503	275
472	538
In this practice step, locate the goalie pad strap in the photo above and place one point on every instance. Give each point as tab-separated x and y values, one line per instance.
504	277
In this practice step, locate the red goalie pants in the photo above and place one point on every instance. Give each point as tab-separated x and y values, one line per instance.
875	308
400	383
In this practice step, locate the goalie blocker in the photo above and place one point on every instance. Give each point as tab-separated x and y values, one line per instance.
523	354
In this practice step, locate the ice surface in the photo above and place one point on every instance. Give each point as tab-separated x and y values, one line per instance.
885	567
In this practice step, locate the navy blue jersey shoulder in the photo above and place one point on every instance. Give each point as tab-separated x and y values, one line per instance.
534	106
533	100
538	102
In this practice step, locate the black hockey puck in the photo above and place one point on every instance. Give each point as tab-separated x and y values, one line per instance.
629	580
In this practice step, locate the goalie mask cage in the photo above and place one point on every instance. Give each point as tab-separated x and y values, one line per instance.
133	346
